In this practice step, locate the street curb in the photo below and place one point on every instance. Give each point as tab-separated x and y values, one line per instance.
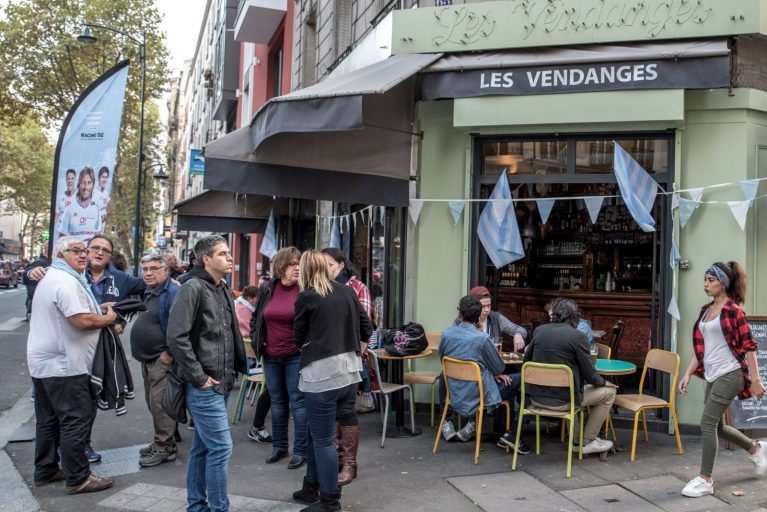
16	495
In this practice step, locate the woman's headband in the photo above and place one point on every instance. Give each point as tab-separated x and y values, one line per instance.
719	274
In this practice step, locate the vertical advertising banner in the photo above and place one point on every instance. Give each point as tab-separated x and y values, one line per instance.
85	158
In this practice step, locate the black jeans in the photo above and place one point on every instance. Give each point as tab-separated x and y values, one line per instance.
263	404
63	411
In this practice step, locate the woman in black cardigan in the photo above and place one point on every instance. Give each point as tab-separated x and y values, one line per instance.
328	326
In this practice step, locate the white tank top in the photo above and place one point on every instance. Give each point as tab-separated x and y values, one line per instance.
717	358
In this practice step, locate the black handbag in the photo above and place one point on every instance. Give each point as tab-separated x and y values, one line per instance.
408	340
174	397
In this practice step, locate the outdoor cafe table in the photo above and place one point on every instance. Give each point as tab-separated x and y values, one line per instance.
396	376
614	367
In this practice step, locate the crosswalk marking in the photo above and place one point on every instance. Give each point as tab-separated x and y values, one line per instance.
11	324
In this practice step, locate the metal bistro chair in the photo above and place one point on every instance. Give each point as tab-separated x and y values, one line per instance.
664	361
459	369
253	378
550	375
385	389
412	377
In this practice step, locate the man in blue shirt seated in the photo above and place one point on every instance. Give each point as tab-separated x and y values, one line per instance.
467	342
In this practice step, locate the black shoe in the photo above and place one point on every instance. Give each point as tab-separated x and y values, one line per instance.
329	502
508	439
309	493
276	456
296	461
177	436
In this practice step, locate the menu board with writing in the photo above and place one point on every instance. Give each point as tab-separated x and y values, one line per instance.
752	413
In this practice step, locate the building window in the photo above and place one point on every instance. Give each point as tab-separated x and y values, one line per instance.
343	26
275	72
309	53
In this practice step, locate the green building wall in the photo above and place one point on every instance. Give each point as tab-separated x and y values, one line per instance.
721	137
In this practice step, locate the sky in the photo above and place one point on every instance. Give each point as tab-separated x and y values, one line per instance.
181	24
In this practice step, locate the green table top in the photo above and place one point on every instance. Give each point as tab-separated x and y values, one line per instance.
614	366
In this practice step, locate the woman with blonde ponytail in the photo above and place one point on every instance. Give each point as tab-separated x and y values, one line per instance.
329	324
725	357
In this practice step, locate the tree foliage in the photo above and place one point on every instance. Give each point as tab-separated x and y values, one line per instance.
45	69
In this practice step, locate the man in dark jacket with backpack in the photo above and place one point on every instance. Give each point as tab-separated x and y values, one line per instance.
205	340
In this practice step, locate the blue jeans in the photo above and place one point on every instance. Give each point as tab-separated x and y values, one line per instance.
282	383
322	462
208	465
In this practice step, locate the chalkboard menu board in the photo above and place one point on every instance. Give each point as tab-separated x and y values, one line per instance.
752	413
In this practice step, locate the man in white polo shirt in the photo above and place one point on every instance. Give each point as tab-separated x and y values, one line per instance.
64	331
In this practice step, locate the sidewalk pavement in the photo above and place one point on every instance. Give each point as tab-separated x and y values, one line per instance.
405	475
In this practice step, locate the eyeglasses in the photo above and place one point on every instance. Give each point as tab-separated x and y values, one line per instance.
103	250
151	269
293	264
77	252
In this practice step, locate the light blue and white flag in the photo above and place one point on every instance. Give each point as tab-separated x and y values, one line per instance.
674	256
638	189
456	210
544	208
673	309
501	240
594	204
335	234
269	244
739	210
686	209
749	188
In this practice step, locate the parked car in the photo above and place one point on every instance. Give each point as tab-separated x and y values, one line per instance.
8	275
18	265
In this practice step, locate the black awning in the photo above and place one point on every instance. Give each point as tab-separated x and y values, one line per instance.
228	212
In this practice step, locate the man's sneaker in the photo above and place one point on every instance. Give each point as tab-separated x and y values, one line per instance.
364	402
698	487
143	452
448	431
760	458
508	439
91	454
259	435
156	458
467	432
596	446
91	484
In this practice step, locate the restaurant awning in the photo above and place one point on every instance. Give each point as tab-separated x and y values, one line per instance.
345	139
227	212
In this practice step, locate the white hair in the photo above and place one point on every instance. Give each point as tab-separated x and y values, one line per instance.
65	242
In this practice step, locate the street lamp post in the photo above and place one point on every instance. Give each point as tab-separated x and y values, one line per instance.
87	37
159	175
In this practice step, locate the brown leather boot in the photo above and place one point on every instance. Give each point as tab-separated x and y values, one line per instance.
350	440
339	447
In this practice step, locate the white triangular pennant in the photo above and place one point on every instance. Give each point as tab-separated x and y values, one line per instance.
367	210
674	201
593	205
415	209
269	243
749	188
335	234
686	209
381	214
544	208
673	309
354	220
674	256
696	193
500	206
739	210
456	210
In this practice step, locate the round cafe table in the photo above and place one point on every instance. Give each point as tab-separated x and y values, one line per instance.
396	376
614	367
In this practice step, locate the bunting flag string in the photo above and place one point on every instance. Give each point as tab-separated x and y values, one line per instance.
544	208
686	209
593	205
749	188
456	210
674	256
696	193
335	234
415	209
673	309
739	210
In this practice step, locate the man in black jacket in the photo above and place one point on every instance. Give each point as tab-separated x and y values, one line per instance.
561	343
207	346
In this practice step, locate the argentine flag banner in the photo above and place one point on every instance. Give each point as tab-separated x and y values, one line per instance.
638	189
499	234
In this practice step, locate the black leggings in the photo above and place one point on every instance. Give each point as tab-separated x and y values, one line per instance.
263	405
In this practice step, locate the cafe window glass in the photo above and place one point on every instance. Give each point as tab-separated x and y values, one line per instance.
535	157
596	156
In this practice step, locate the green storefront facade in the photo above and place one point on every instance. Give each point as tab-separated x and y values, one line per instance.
710	136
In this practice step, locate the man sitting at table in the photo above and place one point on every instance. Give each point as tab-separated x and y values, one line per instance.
560	343
494	323
466	342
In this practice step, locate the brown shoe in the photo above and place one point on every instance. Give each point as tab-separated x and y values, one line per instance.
350	440
58	476
91	484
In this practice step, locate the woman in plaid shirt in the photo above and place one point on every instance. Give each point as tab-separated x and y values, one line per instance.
725	357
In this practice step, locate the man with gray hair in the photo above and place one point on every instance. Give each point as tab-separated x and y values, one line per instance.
559	342
148	346
205	339
63	335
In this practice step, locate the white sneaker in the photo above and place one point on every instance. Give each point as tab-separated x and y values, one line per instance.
448	430
467	432
760	458
698	487
596	446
